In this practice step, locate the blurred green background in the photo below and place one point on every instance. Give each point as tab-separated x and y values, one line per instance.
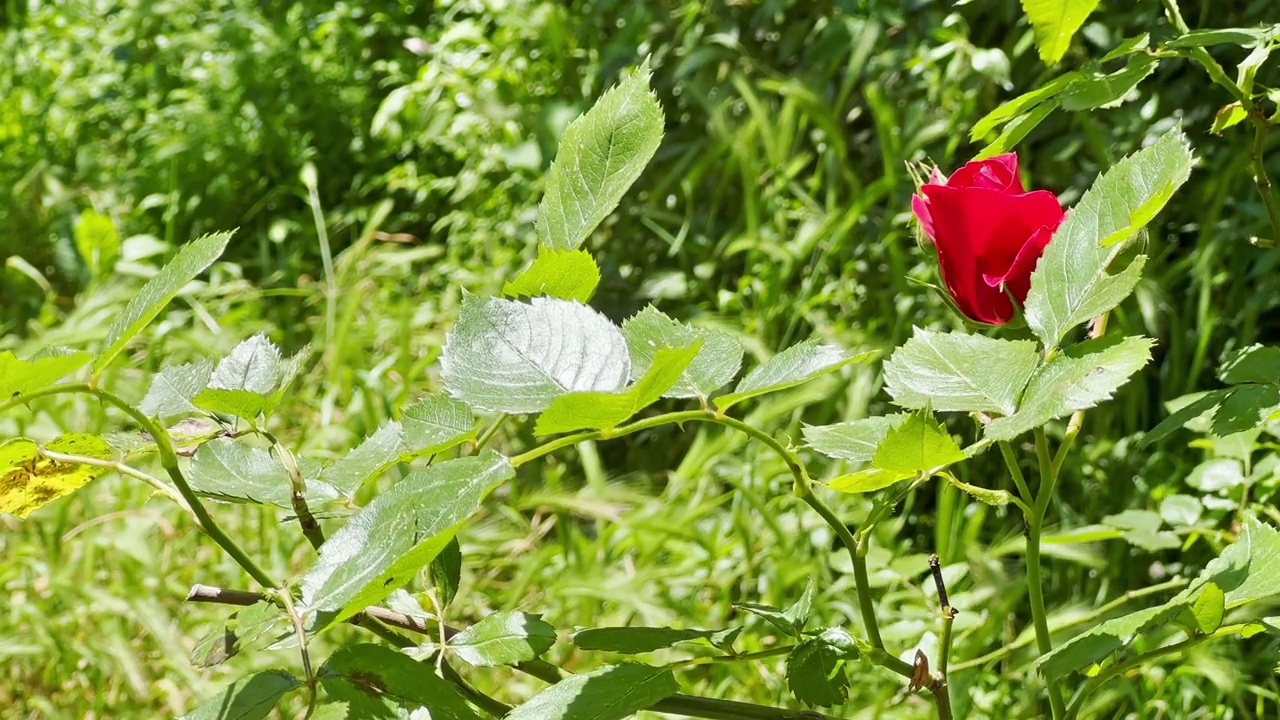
777	206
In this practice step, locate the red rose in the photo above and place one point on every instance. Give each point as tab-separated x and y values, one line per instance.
989	233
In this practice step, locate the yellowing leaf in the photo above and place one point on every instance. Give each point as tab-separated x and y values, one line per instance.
1229	115
29	480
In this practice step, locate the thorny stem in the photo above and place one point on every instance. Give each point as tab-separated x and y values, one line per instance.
685	705
169	461
940	687
1261	124
857	550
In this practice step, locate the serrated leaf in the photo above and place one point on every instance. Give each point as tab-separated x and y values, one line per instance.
1208	608
20	377
385	544
1066	384
919	444
435	424
446	572
790	621
1070	284
855	440
1254	364
636	640
374	680
612	692
1017	129
1021	105
1228	116
249	698
565	274
600	156
230	470
190	261
816	673
603	411
1184	413
957	371
173	388
242	629
1105	90
794	366
1055	22
1245	37
504	638
251	380
28	480
371	457
516	357
868	480
1103	639
716	364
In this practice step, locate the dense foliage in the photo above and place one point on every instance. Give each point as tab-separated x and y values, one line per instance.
384	164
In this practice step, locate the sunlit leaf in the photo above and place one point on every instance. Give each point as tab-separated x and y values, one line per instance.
230	470
173	388
503	638
1070	284
612	692
29	480
794	366
20	377
1068	383
600	155
958	371
435	424
374	680
517	357
855	440
565	274
190	261
1055	22
716	364
816	673
384	545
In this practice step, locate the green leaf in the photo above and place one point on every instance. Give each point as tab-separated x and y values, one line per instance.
1181	511
855	440
1190	408
29	481
1070	284
21	377
601	155
190	261
957	371
98	242
384	545
790	621
636	640
868	480
516	357
1245	37
446	572
794	366
1021	105
1249	569
603	411
612	692
173	388
251	380
230	470
504	638
249	698
816	673
1054	22
435	424
1066	384
1246	407
243	629
374	679
1110	89
716	364
1017	129
1216	475
1103	639
565	274
1209	608
1254	364
1228	116
370	458
917	445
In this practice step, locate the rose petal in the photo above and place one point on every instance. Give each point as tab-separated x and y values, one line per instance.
920	207
999	173
1018	277
979	233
